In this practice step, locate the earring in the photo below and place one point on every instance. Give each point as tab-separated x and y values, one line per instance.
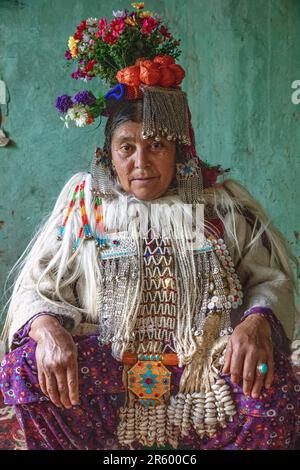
189	182
102	176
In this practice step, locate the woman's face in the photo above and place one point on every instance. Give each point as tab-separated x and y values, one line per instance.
145	168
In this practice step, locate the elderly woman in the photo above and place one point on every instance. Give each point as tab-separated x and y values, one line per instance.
161	313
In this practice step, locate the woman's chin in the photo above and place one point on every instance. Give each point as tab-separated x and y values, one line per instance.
146	191
146	194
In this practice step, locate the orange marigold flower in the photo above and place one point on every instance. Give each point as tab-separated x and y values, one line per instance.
164	59
130	21
145	14
129	76
150	73
167	77
147	63
138	5
140	60
178	71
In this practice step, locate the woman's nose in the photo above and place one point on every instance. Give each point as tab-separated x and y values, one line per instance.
141	158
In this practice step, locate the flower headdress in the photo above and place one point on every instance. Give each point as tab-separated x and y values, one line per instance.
135	54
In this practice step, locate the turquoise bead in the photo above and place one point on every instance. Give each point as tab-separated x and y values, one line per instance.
263	368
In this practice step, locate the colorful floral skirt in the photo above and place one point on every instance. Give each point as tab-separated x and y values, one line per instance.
269	422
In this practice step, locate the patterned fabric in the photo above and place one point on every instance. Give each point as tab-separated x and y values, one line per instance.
11	436
265	423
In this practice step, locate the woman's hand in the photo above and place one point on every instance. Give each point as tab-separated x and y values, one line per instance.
250	345
56	357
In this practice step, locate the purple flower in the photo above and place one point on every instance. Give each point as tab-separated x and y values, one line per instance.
63	103
68	55
84	97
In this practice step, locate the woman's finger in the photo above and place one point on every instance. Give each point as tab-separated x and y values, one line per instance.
259	379
227	358
52	390
63	389
249	372
72	381
236	366
42	381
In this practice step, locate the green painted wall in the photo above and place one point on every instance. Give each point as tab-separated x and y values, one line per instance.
241	58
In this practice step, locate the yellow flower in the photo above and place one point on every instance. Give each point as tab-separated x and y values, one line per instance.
72	44
145	14
130	21
138	5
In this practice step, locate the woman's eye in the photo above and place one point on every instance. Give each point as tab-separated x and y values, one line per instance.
157	145
126	147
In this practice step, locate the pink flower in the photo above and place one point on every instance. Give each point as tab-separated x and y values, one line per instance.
117	27
102	27
148	25
108	37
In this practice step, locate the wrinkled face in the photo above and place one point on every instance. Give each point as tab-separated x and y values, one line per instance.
145	168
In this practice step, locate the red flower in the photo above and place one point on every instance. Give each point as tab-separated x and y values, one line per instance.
102	27
89	66
117	27
148	25
90	119
78	35
108	37
163	30
81	26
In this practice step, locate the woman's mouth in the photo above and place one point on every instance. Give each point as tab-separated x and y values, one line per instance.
144	180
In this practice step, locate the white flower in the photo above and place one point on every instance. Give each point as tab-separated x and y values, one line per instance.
86	37
92	21
119	13
65	121
78	114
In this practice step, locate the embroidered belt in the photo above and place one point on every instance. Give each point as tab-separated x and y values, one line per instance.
148	378
168	359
